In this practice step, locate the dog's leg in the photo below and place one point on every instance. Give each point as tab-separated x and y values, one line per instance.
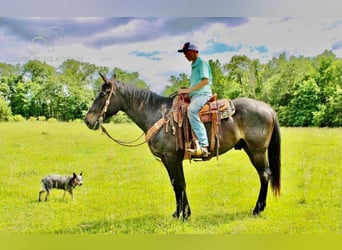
64	194
40	195
47	195
72	195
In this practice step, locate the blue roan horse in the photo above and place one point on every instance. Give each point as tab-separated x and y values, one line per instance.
253	127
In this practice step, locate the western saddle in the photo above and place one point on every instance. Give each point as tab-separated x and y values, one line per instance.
212	112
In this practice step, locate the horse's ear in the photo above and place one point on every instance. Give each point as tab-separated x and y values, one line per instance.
105	79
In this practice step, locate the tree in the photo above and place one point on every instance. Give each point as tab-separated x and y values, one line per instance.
219	80
303	91
334	109
9	69
10	75
5	90
5	110
76	84
328	69
75	103
283	78
182	81
78	73
330	113
243	76
329	79
37	71
305	101
129	78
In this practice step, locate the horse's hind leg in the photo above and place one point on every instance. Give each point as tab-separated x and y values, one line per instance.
260	162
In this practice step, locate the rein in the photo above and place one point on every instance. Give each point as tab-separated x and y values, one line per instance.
124	143
149	134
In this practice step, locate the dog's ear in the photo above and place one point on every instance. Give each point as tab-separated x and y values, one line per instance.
74	175
81	173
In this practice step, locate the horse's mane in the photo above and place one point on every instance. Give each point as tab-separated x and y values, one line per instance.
135	93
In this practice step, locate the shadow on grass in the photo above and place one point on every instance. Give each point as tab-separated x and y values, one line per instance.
224	218
158	224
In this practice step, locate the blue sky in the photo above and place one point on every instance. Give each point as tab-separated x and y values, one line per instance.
149	44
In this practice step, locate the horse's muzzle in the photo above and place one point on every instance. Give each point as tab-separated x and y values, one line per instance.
93	124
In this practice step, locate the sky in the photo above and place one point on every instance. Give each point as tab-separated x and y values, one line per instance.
149	45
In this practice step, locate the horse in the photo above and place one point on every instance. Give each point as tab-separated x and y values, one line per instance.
253	127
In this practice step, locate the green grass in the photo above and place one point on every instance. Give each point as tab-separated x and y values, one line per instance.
127	191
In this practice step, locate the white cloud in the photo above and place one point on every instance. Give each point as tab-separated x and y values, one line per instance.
295	36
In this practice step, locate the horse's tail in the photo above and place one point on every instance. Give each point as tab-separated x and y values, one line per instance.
274	158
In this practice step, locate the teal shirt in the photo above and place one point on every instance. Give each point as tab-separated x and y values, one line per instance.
200	69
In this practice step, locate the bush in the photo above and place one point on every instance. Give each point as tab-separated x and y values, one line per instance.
32	119
17	118
121	117
42	118
52	120
77	121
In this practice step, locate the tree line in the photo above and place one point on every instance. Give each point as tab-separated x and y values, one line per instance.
37	90
304	91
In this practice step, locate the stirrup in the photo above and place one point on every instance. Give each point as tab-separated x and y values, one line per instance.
205	153
199	152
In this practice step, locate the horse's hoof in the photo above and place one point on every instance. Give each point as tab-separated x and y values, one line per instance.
175	215
260	206
186	213
256	212
186	218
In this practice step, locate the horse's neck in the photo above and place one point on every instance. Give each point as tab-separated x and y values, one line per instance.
144	107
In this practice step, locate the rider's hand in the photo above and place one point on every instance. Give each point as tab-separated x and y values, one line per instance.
184	91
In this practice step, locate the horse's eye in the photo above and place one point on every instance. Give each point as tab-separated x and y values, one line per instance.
102	94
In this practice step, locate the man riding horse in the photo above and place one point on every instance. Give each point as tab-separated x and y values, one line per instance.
200	92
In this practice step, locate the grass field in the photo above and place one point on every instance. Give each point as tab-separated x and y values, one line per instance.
127	191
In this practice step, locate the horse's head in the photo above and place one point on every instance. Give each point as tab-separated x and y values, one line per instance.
104	106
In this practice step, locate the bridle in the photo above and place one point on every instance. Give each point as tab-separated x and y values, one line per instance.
149	134
101	118
105	107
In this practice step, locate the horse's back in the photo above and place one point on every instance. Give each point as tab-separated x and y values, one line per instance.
251	112
251	124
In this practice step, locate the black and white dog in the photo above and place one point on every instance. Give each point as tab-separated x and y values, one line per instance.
66	183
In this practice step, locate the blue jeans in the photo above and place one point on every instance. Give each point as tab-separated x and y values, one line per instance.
196	103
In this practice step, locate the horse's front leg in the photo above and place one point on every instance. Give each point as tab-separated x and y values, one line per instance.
176	174
182	204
